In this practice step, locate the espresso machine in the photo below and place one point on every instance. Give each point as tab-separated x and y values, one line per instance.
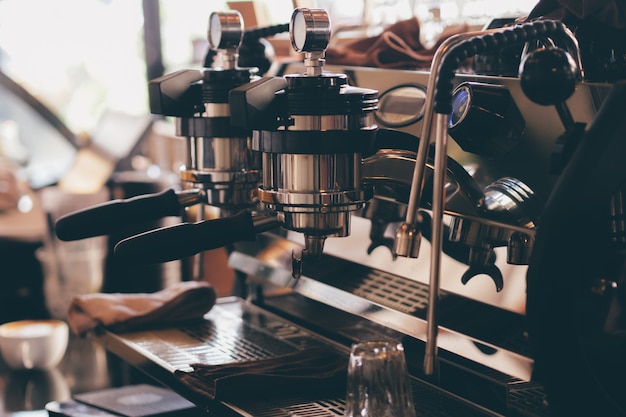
494	258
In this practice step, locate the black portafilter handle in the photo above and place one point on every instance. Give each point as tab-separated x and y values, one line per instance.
187	239
105	218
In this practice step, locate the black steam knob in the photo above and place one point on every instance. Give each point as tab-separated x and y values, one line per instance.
548	75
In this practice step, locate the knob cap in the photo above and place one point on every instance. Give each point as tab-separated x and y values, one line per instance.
548	75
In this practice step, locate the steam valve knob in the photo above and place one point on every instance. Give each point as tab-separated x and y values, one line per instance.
548	76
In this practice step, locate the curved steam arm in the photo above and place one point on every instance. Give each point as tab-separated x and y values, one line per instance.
187	239
102	219
436	113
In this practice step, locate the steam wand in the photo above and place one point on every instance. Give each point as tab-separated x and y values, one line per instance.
447	58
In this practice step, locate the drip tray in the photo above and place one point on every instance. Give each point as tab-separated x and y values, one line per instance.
235	330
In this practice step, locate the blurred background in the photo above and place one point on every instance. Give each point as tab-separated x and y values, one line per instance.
84	57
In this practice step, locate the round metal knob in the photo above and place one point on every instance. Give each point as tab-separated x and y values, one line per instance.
225	30
309	30
548	75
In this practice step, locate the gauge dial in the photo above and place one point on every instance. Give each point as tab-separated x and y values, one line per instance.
310	30
225	29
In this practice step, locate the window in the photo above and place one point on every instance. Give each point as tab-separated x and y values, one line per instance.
84	57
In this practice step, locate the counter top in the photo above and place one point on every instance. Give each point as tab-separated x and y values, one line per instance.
86	367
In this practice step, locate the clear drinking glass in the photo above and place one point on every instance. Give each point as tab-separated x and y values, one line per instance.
378	382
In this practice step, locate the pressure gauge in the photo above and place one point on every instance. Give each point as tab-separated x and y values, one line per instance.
310	30
225	30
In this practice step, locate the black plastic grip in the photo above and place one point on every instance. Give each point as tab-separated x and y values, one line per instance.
486	43
176	94
185	239
113	215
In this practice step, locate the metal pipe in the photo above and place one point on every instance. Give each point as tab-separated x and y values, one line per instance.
441	135
431	360
441	132
406	242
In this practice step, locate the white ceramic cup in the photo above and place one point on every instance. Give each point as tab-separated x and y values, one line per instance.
33	344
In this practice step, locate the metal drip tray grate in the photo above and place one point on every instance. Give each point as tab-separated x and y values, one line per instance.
234	331
295	407
400	294
429	402
392	291
222	338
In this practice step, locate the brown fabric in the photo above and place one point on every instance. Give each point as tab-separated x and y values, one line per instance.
121	312
607	12
304	372
399	46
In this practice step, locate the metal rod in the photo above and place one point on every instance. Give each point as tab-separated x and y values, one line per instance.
431	357
565	115
441	144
